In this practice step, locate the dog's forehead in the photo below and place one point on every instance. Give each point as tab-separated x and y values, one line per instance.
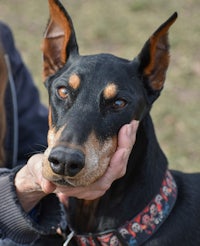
103	68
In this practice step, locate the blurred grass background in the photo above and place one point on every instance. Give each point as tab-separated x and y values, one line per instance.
121	27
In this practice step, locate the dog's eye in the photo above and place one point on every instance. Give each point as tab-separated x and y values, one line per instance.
62	92
119	104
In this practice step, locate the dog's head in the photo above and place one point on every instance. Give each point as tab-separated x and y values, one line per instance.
91	97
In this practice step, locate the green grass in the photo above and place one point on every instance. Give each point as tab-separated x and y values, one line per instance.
121	27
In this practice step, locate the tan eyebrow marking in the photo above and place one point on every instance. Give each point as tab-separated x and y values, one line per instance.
74	81
110	91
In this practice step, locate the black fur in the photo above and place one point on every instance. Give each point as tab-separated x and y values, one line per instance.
86	110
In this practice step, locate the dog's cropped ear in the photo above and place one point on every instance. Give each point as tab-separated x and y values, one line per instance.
59	39
154	58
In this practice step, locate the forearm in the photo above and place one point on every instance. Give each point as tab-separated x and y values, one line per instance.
17	225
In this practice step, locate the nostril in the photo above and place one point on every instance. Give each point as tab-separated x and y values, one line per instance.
53	161
74	167
56	165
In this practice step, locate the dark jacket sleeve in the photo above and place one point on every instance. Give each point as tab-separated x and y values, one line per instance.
18	227
32	116
24	111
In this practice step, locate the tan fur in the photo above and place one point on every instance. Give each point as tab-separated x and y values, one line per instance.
74	81
110	91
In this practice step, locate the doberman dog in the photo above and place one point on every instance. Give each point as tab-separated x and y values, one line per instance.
91	98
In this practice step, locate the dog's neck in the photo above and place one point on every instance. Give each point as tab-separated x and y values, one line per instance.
129	195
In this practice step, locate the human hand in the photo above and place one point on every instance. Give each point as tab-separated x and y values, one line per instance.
31	186
28	182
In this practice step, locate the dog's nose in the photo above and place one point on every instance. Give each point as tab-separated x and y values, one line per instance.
66	161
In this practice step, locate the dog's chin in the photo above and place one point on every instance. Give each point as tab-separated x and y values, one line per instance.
76	182
69	183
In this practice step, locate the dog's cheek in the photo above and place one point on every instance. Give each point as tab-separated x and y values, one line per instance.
98	156
106	153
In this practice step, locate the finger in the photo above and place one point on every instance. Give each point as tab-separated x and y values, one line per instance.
90	192
63	199
47	186
127	134
70	191
126	140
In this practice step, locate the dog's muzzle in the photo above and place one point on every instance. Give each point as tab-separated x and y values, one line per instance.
66	161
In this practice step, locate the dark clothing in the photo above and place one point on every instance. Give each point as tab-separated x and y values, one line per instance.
23	108
26	134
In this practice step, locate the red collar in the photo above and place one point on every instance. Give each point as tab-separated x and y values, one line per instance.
138	230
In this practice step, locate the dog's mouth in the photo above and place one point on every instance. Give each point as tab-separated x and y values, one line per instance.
63	182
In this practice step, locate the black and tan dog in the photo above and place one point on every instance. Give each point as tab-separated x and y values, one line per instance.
91	97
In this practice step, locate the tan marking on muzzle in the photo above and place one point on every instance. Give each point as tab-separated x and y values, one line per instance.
54	136
110	91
